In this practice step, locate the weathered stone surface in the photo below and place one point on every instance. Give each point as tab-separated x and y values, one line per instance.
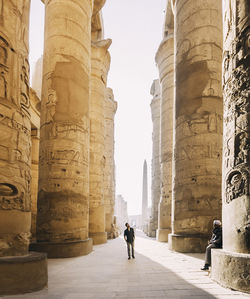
35	139
165	62
23	274
110	107
231	270
156	171
15	130
235	176
63	205
198	119
37	77
100	62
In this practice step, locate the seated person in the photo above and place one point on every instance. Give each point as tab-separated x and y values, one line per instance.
215	242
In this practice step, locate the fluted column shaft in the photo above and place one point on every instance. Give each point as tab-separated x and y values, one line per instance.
63	198
197	123
100	61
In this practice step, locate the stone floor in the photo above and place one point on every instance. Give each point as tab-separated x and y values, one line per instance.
106	273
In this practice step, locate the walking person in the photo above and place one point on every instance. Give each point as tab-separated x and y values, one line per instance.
129	237
215	242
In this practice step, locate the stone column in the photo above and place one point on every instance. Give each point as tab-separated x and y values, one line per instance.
35	140
15	155
198	123
156	171
100	62
231	266
63	197
145	196
110	107
165	62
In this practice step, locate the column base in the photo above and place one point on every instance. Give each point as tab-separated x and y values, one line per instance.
99	238
152	234
231	270
187	243
162	234
63	250
23	274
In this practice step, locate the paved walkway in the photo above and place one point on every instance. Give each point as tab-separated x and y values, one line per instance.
106	273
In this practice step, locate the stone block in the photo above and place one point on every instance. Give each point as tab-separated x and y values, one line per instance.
231	270
64	250
187	243
23	274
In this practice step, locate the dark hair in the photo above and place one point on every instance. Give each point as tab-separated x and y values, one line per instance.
126	224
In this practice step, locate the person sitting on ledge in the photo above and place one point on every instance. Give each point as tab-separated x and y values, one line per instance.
215	242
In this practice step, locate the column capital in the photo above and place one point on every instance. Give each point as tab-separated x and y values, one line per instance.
101	58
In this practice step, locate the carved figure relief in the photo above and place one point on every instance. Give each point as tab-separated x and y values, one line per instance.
3	86
236	185
242	146
51	105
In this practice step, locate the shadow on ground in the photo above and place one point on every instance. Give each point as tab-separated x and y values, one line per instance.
107	273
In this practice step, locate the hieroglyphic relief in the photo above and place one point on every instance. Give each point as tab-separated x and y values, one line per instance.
3	67
236	185
236	87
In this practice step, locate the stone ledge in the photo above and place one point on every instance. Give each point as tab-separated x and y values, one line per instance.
23	274
187	243
231	269
99	238
64	250
162	234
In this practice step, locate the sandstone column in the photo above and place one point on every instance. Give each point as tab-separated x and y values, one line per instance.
145	196
156	171
165	62
110	107
197	124
231	266
63	198
15	155
100	62
35	140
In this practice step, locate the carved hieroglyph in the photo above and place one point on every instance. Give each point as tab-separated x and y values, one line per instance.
100	62
63	207
165	62
236	158
110	107
15	141
198	123
156	171
231	265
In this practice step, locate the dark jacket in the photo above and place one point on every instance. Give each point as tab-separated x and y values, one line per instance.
129	235
217	237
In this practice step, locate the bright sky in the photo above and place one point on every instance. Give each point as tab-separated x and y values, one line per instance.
135	26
